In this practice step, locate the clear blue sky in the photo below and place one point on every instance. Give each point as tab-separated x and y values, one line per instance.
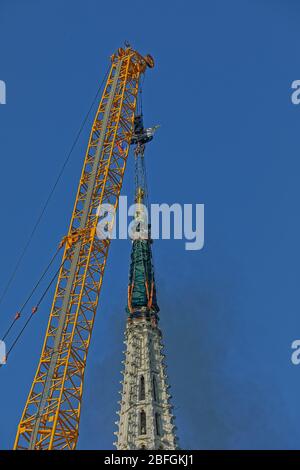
229	138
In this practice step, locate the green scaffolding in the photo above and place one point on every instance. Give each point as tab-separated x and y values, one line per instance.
141	276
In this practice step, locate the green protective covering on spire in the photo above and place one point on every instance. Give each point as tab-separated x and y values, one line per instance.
141	277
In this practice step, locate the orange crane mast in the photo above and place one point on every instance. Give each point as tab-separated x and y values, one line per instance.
51	416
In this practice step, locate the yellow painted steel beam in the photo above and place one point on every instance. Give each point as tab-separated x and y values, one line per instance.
50	419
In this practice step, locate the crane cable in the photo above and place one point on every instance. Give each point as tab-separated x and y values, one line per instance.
19	312
52	190
35	308
140	97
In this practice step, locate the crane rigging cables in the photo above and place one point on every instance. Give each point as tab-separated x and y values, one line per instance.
51	192
19	312
35	308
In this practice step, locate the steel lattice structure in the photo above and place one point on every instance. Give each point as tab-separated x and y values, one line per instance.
51	415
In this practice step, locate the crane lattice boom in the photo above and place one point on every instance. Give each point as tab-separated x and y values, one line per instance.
51	415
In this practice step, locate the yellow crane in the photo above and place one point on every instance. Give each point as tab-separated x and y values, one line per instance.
51	416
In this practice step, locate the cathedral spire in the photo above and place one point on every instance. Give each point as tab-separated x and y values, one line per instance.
145	416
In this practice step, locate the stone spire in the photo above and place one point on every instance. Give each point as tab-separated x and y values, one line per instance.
145	416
